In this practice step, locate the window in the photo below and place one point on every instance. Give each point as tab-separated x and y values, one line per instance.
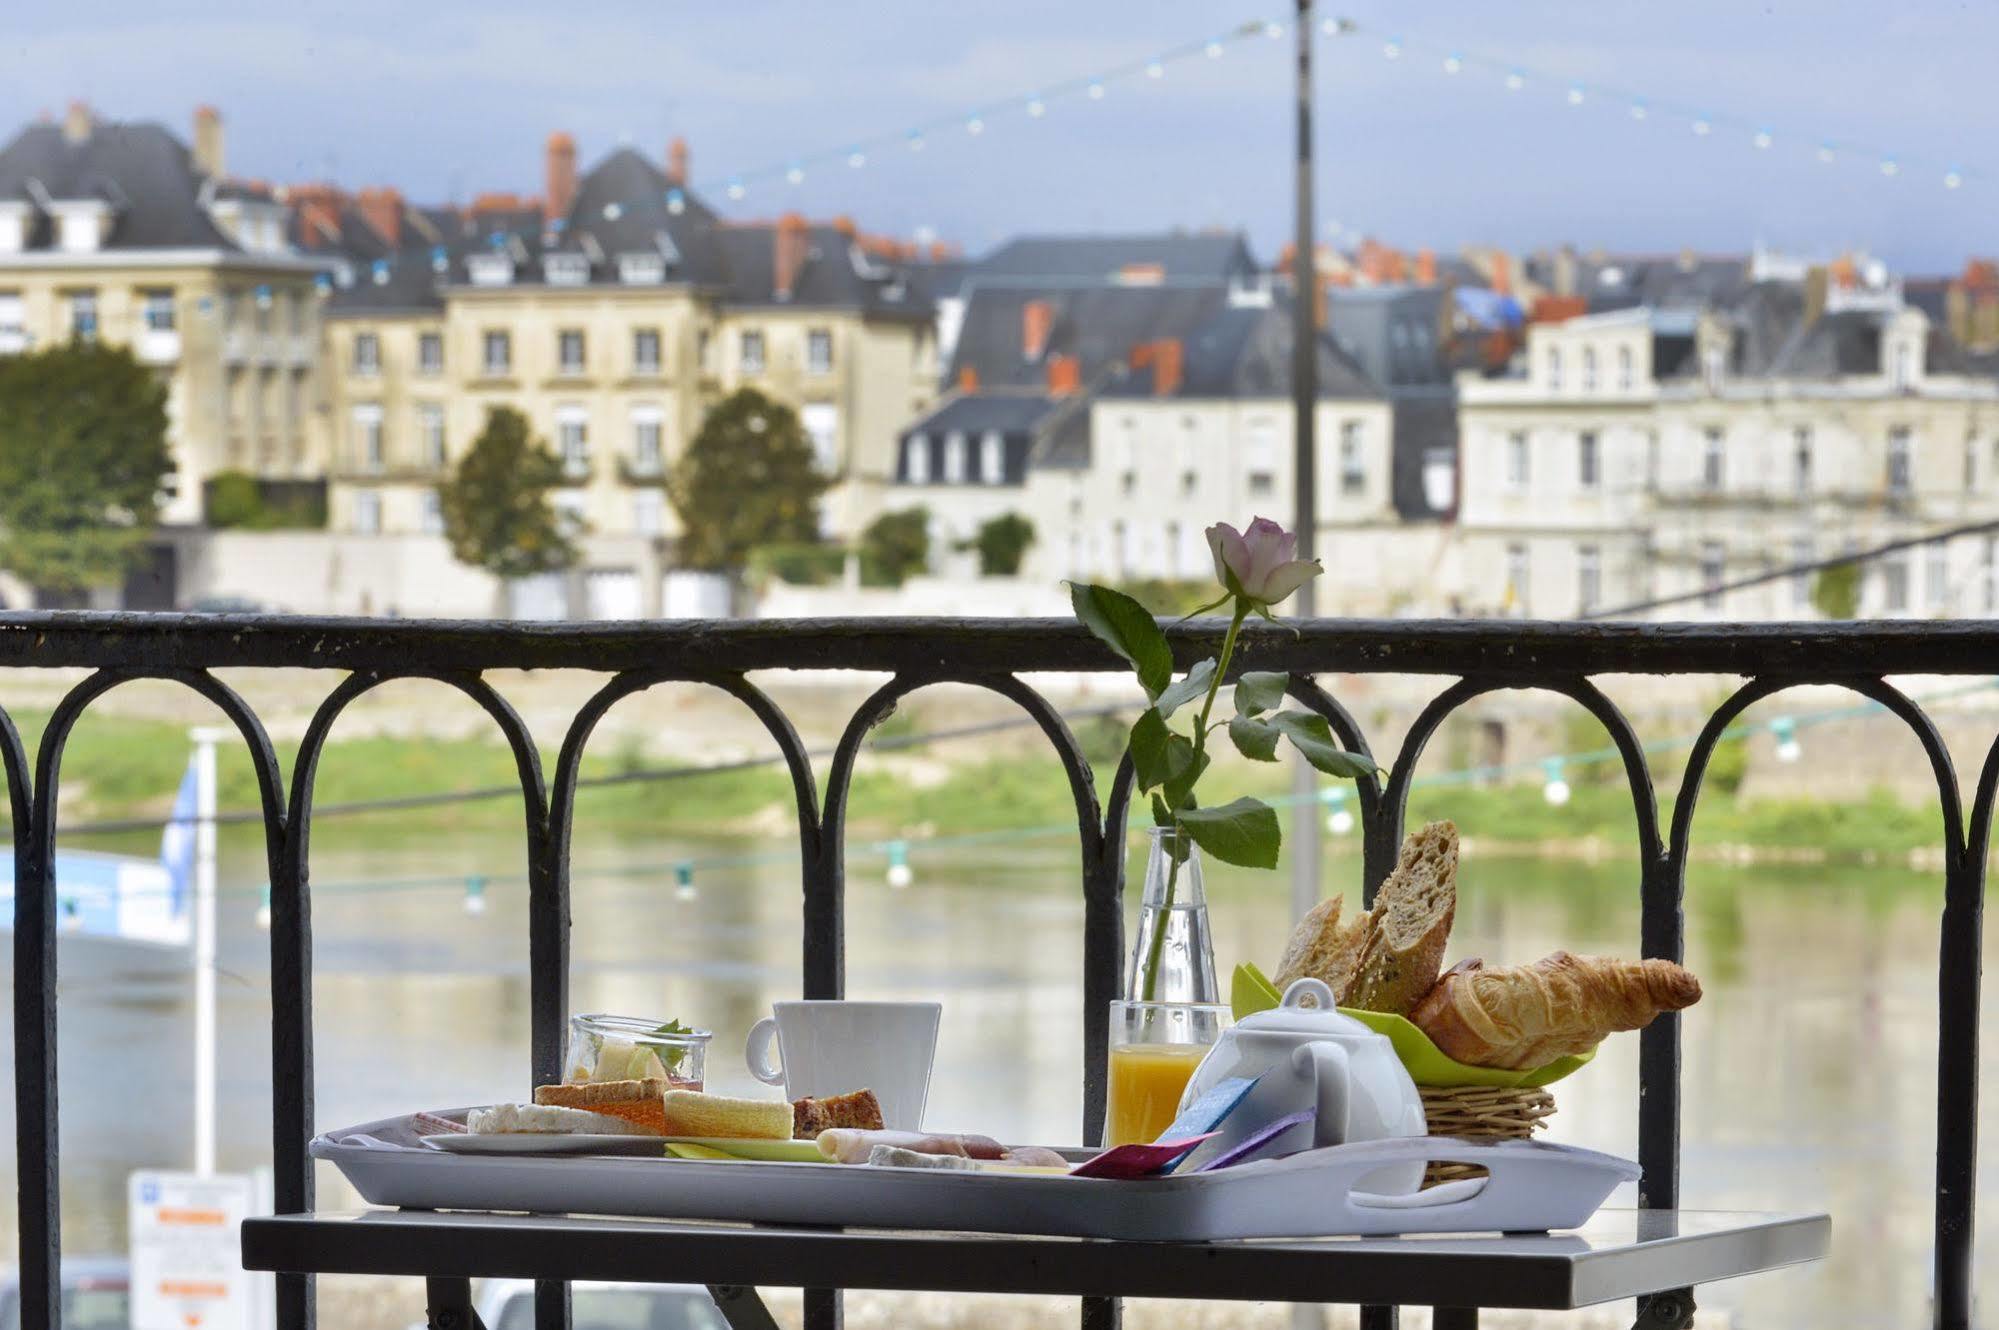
752	358
992	458
499	352
1936	575
1899	460
1516	461
1554	369
954	458
83	315
1713	459
1626	369
13	320
572	433
1262	483
819	351
367	512
1714	567
1989	573
645	351
430	353
1902	368
569	351
157	308
916	459
649	512
1353	464
1714	363
1589	369
368	436
367	353
1801	582
1801	461
295	314
1970	464
1589	578
1260	457
1895	585
1516	579
430	514
648	457
1589	472
430	433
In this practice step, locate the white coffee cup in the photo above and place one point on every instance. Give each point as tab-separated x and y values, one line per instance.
837	1047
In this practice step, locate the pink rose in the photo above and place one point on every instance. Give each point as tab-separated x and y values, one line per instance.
1256	564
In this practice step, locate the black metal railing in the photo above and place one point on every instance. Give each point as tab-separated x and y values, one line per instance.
914	653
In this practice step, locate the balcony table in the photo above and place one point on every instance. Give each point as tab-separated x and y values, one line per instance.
1619	1254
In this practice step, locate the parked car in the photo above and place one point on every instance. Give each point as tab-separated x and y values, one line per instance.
508	1304
96	1294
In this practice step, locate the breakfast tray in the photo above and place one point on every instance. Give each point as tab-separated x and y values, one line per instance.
1532	1186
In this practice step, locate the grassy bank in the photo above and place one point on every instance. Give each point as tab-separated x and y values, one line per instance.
117	767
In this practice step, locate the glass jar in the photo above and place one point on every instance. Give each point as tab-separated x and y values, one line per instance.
603	1047
1173	953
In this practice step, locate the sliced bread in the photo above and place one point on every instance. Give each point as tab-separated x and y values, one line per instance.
1403	949
1323	948
637	1102
548	1120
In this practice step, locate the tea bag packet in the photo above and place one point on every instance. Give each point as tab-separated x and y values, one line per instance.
1204	1117
1260	1144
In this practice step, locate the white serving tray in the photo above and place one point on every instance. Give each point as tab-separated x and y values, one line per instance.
1533	1187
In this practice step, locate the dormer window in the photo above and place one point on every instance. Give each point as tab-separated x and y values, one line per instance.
1902	367
641	269
566	269
490	269
1554	369
16	217
81	225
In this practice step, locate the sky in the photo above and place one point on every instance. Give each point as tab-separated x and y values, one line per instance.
445	99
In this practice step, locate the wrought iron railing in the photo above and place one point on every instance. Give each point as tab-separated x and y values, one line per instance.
1478	657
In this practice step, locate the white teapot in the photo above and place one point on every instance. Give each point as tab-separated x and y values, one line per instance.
1307	1054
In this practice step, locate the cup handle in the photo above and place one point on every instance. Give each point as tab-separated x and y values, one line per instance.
757	1052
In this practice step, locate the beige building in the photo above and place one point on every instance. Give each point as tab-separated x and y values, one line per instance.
1655	452
120	232
612	313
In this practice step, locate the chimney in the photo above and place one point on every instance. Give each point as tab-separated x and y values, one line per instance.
845	226
676	161
1502	275
561	177
1037	320
383	209
1817	279
787	260
1167	358
1565	271
208	158
1065	376
76	125
968	379
1426	267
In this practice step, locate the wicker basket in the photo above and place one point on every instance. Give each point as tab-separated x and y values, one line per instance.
1481	1113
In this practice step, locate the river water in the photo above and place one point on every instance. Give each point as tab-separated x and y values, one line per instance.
1809	1065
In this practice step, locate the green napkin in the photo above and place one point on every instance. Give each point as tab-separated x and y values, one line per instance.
1251	991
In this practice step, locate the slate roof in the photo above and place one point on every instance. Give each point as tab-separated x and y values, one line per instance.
973	414
1245	351
1099	325
1197	256
621	207
837	274
1623	281
142	170
1843	342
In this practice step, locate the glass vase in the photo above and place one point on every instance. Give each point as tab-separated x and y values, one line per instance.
1173	952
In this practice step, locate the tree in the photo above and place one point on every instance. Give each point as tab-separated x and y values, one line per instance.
748	479
1002	542
1836	591
497	514
83	450
896	545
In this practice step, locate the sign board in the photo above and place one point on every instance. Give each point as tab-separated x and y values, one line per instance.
187	1254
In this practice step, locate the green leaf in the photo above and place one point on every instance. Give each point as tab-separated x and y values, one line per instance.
1244	832
1128	628
1162	816
1158	755
672	1056
1255	739
1311	735
1194	685
1179	787
1259	691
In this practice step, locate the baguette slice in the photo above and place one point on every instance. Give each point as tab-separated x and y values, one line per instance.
548	1120
1322	948
811	1116
637	1102
692	1113
1404	948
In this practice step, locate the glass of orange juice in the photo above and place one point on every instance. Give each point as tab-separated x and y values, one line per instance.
1154	1049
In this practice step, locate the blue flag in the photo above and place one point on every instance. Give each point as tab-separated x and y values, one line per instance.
177	843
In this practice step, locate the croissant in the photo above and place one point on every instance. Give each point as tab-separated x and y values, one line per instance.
1521	1016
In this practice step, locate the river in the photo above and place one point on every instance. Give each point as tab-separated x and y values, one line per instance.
1808	1066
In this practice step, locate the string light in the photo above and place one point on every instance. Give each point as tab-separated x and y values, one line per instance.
1096	90
857	159
1826	153
1515	81
1702	127
1952	178
899	873
1762	139
475	896
1890	167
1392	48
1154	70
1556	789
1575	96
264	909
1785	731
1036	107
1453	63
1214	50
1339	818
1274	30
683	881
916	140
1639	111
796	175
676	202
975	126
736	190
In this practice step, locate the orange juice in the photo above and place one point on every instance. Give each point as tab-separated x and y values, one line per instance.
1146	1083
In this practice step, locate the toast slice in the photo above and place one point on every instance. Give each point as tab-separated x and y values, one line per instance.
1403	950
859	1110
637	1102
1323	948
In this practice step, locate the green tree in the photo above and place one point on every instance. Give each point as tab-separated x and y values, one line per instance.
748	479
896	545
83	449
1836	591
497	513
1002	542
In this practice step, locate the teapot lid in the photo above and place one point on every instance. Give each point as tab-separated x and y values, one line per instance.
1308	1008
